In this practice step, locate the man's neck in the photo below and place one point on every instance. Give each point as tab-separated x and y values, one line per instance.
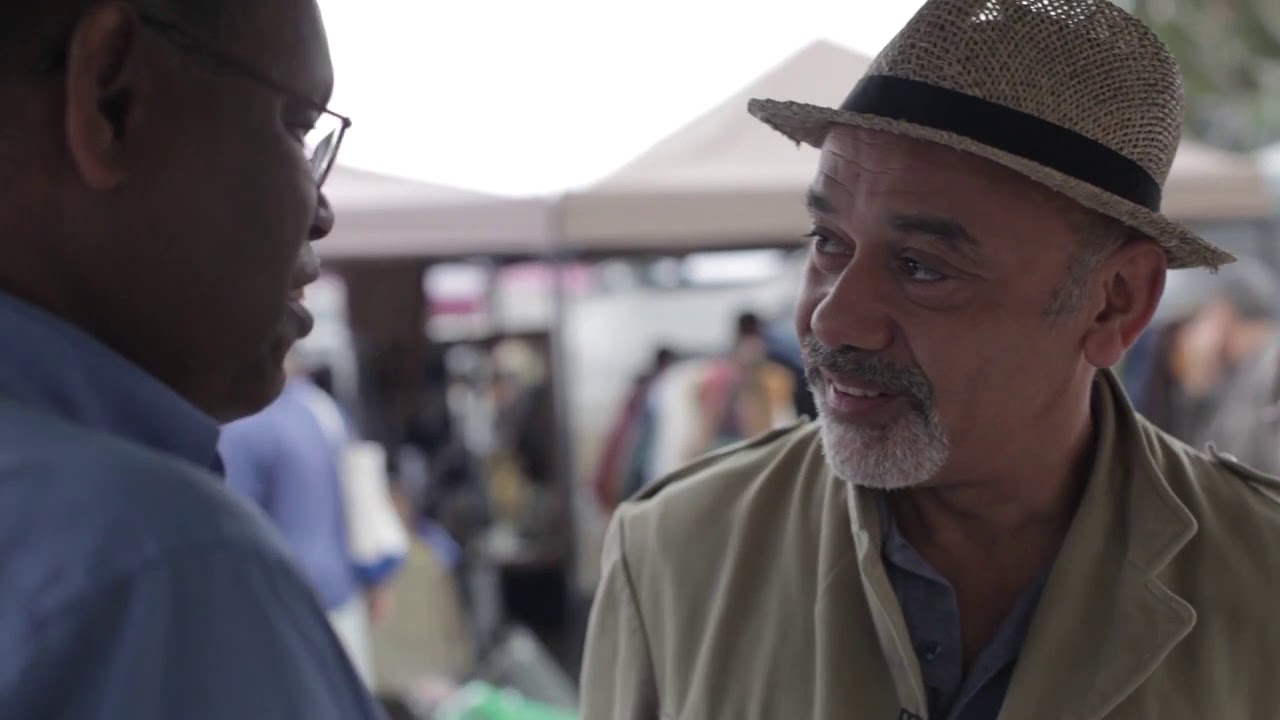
1014	523
992	540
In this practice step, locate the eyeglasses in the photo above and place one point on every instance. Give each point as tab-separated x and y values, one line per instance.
321	142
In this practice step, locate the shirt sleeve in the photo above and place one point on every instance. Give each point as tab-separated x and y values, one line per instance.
617	676
222	634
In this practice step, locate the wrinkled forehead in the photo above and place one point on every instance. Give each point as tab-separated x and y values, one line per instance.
876	181
864	166
285	39
852	155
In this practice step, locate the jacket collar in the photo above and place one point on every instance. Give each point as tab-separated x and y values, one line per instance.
1106	620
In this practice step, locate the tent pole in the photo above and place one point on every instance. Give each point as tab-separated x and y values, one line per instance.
561	257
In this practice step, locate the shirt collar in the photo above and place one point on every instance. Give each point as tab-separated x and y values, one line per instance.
52	365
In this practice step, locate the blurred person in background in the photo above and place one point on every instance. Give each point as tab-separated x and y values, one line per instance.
785	349
530	542
161	174
627	457
978	525
744	393
289	461
1212	374
525	410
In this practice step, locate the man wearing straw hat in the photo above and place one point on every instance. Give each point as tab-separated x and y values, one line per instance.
978	525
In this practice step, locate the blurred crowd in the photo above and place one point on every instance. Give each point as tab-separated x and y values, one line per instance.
1207	370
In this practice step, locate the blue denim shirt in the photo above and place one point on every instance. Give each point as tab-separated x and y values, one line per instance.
133	585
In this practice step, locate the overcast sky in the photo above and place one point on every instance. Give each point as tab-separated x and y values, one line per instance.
533	96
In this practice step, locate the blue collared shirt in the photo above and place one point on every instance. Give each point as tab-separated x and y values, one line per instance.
133	585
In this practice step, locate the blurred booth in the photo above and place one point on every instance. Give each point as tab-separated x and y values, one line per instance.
411	330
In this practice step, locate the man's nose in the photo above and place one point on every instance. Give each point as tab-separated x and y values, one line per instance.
852	314
322	224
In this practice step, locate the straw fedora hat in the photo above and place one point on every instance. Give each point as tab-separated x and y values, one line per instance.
1075	94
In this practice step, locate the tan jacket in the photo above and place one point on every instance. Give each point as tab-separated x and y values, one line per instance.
751	586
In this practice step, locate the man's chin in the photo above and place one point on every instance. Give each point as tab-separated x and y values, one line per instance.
891	458
257	386
299	320
252	397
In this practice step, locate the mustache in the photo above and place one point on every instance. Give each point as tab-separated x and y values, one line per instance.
870	368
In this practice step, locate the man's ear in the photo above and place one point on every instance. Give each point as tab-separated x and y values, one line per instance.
102	80
1132	282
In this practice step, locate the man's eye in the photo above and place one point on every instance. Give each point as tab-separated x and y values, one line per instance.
824	245
918	271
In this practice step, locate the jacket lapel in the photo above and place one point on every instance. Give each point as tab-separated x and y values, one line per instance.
878	674
1106	621
886	611
865	665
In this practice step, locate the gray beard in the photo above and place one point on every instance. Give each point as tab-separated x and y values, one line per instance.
907	453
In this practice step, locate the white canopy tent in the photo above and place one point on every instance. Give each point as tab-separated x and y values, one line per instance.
1207	183
379	216
727	180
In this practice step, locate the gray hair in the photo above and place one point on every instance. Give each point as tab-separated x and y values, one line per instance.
1098	237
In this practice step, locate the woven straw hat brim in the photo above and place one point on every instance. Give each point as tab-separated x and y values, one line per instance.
809	124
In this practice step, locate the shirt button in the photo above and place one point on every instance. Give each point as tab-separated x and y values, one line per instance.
930	651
